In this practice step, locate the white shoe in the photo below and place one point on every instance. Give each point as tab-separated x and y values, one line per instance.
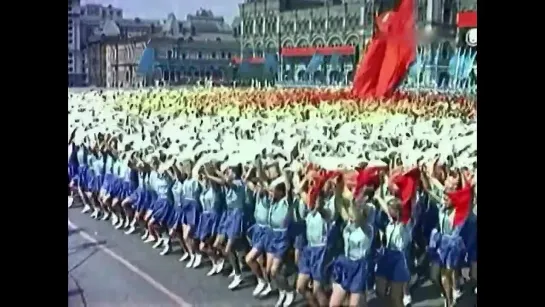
127	223
197	262
267	291
456	294
232	274
235	282
184	257
407	300
145	235
166	247
190	262
130	230
281	298
70	201
212	270
219	265
94	215
115	219
86	209
290	297
150	239
119	224
158	243
261	284
475	290
105	217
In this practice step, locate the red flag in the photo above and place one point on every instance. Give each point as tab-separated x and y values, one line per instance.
390	54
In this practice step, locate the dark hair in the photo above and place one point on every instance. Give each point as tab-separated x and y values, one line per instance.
281	187
237	170
369	192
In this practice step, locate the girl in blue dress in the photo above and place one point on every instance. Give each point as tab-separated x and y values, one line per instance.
315	261
260	231
110	157
191	211
129	186
351	267
115	189
231	228
174	222
95	180
163	207
453	242
176	219
72	165
150	195
392	265
91	203
139	197
80	180
281	218
213	206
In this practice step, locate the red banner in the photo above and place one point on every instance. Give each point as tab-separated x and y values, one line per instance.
466	19
310	51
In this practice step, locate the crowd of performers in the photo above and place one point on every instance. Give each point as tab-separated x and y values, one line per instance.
344	232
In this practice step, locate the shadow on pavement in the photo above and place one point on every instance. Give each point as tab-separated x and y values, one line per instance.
85	246
73	231
75	292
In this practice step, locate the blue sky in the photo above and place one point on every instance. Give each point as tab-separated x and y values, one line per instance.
155	9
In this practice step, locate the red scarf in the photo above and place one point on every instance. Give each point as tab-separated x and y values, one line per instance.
319	182
368	176
461	202
406	184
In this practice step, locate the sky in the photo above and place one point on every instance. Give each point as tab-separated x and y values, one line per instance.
159	9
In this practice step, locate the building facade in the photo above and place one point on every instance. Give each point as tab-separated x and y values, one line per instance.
113	57
76	60
103	27
202	46
295	30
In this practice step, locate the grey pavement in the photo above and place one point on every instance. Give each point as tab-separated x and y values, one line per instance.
96	279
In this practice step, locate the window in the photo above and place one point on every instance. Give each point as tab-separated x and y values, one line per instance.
70	22
70	28
169	54
218	39
223	54
70	41
70	62
213	55
70	69
118	14
82	11
184	56
70	54
229	55
199	55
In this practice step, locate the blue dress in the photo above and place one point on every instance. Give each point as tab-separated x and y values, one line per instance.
163	206
177	195
351	269
452	246
232	222
191	204
212	201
